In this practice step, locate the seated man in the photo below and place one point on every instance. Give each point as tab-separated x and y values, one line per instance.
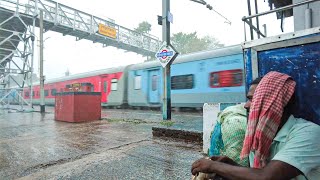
280	145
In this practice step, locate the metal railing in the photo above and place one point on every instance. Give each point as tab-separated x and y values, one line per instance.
248	19
63	15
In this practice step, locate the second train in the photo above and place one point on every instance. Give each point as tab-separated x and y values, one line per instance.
212	76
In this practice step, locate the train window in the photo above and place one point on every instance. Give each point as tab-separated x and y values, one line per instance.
137	82
154	82
228	78
53	92
26	94
38	93
114	84
46	92
105	85
182	82
237	78
215	79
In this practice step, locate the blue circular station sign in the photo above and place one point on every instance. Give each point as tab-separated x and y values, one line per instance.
166	54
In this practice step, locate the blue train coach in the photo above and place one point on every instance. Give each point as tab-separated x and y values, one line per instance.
202	77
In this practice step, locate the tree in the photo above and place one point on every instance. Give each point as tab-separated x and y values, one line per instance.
143	27
187	43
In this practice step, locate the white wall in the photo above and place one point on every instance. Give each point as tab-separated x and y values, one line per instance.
210	113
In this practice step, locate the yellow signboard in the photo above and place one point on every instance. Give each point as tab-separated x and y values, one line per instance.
107	31
76	85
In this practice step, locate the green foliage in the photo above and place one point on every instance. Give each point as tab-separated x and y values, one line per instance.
187	43
167	123
143	27
133	121
113	120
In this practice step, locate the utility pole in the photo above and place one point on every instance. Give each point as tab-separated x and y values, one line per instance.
42	102
166	106
32	61
250	20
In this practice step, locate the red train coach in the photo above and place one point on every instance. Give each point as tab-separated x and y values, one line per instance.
110	82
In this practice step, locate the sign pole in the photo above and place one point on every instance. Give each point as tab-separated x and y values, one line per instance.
166	105
42	102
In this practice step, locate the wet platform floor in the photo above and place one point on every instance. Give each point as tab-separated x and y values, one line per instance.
34	146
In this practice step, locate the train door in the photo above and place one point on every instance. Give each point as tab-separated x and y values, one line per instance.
104	89
153	86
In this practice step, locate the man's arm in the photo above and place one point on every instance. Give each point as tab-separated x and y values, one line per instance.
274	170
224	159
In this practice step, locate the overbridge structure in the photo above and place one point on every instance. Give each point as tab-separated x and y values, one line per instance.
18	19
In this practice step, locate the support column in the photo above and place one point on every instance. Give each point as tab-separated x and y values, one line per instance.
42	102
250	20
166	105
32	60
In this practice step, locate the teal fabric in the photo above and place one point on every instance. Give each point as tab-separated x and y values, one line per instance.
297	143
216	143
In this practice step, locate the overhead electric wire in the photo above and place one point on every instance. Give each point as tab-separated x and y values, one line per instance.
210	8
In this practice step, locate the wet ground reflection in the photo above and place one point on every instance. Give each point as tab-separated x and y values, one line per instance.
30	142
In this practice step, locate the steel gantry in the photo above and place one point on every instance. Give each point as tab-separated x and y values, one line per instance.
16	53
18	19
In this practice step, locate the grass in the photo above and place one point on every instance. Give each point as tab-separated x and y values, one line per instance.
113	120
133	121
167	123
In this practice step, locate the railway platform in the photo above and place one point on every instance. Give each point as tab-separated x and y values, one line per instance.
120	146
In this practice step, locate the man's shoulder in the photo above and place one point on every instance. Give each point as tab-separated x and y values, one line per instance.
304	127
301	148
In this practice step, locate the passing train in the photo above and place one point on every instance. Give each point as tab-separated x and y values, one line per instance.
197	78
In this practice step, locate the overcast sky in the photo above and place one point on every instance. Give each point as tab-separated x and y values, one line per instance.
63	52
